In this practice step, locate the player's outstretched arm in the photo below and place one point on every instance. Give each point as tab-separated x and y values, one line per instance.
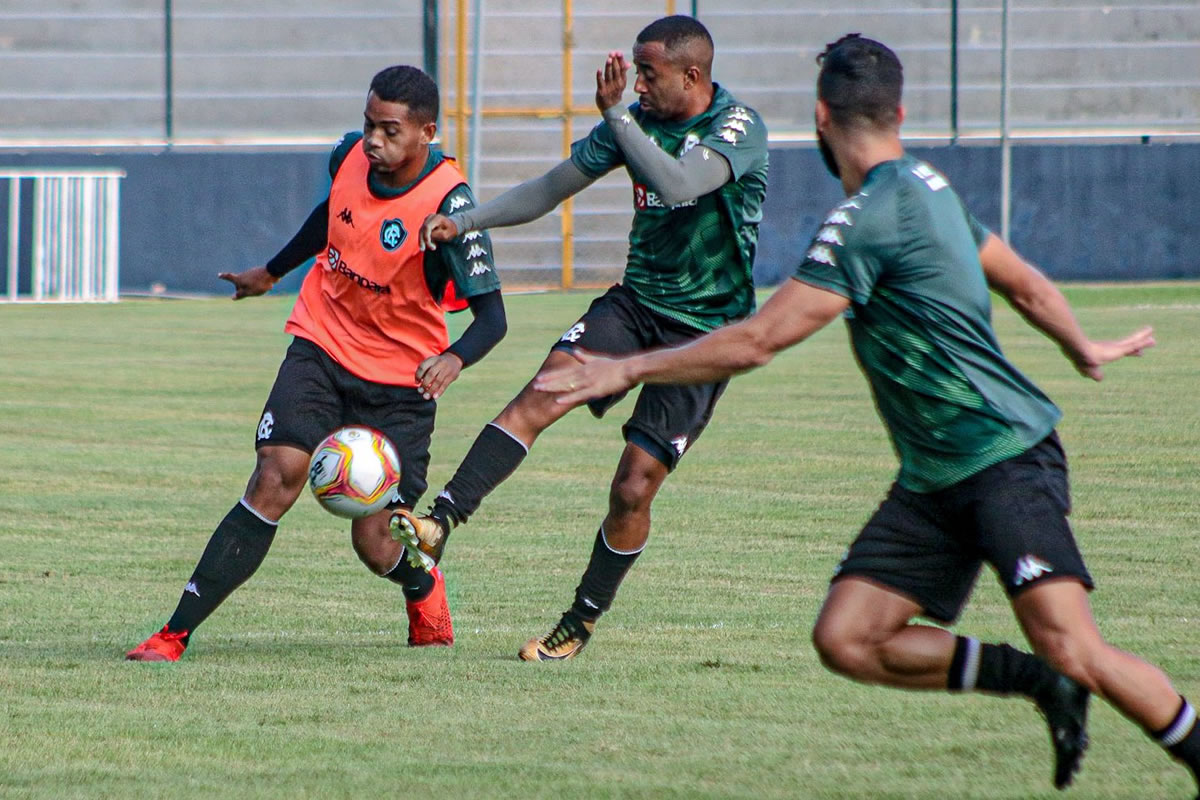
1039	301
793	313
250	283
520	204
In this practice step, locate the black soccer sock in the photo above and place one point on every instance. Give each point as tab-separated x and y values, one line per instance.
998	669
601	579
415	582
235	550
1182	737
494	456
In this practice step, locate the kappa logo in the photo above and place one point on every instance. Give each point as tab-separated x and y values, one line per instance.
822	253
345	216
479	268
459	201
839	217
930	176
830	235
476	251
1030	568
689	141
472	236
574	333
680	444
392	234
266	425
190	588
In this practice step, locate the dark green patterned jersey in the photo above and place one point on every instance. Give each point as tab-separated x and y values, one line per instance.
905	252
692	262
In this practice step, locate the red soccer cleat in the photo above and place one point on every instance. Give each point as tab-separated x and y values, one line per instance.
163	646
429	619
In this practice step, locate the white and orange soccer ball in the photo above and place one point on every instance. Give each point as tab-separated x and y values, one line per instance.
354	472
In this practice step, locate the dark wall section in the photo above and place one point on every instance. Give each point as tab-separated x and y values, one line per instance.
1088	212
187	216
1081	212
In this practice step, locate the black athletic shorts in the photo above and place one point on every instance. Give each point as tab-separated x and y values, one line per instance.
313	395
667	419
1012	515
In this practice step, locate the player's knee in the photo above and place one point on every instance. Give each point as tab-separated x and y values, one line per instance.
631	493
375	549
842	652
1071	656
276	478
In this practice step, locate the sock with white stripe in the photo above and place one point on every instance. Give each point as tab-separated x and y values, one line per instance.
1181	738
494	456
602	578
998	669
234	552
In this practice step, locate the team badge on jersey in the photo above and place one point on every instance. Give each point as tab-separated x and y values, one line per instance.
392	234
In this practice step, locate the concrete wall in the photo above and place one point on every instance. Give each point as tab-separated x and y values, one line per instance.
1090	212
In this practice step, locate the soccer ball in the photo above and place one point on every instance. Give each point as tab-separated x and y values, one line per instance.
354	472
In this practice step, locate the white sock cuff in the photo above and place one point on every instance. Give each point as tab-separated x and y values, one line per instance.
604	538
970	669
255	512
1185	720
510	435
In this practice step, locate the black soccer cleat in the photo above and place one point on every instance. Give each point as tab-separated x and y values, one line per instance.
1064	704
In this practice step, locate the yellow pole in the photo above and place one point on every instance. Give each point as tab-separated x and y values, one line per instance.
568	213
460	90
670	8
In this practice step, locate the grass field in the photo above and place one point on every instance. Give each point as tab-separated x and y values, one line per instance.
128	432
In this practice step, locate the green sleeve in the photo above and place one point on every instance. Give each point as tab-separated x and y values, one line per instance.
342	149
841	257
467	260
740	135
597	153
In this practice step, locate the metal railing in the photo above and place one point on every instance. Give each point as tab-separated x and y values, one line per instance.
74	235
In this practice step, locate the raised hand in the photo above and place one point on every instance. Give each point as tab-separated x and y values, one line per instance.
610	81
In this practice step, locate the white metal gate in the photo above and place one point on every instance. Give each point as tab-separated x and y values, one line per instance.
73	237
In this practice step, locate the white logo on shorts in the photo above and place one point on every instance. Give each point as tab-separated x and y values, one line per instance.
191	588
574	333
680	443
266	425
1030	568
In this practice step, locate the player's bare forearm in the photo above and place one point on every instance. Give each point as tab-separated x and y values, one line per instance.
792	314
1043	305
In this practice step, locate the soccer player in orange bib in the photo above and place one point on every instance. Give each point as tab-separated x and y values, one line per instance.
370	348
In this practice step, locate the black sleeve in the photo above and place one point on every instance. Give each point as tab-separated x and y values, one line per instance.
485	331
308	241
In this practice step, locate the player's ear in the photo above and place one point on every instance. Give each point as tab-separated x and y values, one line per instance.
899	115
428	132
691	77
821	115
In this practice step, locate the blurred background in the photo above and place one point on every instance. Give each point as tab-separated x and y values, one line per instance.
147	144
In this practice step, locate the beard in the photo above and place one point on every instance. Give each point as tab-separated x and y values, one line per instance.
827	156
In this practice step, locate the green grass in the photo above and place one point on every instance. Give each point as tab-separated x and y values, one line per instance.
127	433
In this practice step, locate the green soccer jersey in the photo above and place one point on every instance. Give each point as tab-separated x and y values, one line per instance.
905	252
692	262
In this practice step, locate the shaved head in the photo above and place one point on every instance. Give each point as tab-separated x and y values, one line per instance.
686	41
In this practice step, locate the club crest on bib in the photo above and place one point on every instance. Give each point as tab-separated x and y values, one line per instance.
392	234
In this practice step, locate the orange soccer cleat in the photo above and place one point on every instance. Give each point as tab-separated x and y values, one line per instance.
429	619
163	646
